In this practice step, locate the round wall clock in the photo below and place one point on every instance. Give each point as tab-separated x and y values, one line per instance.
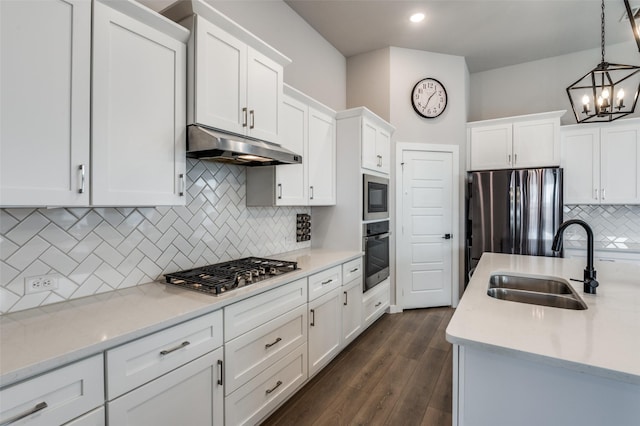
429	98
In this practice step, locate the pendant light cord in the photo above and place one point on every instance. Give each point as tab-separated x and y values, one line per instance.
602	30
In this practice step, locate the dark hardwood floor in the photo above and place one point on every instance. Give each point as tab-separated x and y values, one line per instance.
398	372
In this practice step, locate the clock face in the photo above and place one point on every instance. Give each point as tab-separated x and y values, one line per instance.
429	98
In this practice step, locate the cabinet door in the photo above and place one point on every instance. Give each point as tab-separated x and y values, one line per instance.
264	96
491	147
383	150
92	418
619	163
581	164
291	181
369	154
220	79
325	329
536	143
322	159
191	394
351	311
44	112
138	132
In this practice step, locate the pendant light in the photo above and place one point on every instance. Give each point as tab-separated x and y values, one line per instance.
606	93
634	27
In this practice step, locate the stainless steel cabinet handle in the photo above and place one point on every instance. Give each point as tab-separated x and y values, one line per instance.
81	168
244	117
279	191
311	192
379	160
180	346
595	193
220	373
378	304
353	270
515	158
603	196
327	282
268	345
183	185
268	391
313	317
253	119
346	300
508	158
40	406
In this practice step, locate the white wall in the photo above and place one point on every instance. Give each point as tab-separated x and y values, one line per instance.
540	86
318	69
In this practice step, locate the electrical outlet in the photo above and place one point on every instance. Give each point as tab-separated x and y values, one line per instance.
40	283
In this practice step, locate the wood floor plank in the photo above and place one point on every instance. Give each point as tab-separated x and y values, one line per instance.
397	372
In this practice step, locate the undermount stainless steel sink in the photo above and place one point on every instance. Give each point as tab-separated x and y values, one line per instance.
534	290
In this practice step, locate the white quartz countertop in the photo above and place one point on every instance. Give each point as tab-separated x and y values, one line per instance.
40	339
602	340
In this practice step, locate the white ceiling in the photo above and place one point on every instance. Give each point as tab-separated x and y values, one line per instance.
489	34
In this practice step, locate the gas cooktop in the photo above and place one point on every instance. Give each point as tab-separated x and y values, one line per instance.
222	277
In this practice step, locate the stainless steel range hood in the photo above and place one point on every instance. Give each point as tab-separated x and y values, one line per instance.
210	144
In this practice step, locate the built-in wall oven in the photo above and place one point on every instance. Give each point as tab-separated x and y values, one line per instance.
376	198
375	243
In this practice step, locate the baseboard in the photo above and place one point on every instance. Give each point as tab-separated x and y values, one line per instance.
395	309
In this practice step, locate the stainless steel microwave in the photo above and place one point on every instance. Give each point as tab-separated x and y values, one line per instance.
376	198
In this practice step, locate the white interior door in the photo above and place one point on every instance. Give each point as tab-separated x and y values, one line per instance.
426	216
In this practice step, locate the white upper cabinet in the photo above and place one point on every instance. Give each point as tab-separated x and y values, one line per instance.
602	163
235	80
111	133
44	114
309	129
376	145
515	142
139	117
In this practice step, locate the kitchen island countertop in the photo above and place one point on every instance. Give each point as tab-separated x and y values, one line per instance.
40	339
602	340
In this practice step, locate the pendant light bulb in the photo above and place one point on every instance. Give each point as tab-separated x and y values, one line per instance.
605	93
620	94
585	100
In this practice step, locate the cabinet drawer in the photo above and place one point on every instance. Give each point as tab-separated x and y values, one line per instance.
67	392
253	401
138	362
252	352
325	281
257	310
190	395
351	270
375	302
96	417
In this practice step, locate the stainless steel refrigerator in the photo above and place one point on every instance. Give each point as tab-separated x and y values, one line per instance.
513	211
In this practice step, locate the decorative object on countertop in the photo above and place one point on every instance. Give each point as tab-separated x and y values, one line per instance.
589	279
303	227
594	92
635	27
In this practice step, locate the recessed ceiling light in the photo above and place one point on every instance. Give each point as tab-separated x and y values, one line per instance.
417	17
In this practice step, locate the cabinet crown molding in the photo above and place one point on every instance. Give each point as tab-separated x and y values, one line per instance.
517	118
366	113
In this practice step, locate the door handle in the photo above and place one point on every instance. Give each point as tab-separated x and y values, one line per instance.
447	236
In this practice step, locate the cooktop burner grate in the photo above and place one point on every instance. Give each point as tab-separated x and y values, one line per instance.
222	277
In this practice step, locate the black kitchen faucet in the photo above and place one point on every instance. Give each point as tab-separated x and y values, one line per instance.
589	280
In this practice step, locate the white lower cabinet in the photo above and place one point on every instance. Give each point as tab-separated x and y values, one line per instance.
55	397
375	302
351	311
257	398
325	329
189	395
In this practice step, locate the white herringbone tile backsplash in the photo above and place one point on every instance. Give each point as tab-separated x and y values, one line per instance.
613	226
96	250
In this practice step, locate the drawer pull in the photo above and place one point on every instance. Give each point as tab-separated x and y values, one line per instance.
40	406
378	304
353	270
346	300
180	346
268	345
220	373
313	318
268	391
327	281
